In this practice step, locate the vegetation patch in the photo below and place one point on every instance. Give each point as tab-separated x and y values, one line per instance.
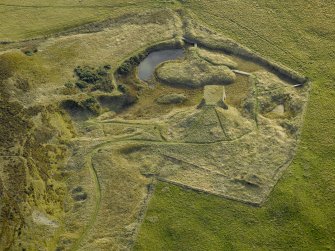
217	58
38	152
125	137
194	72
117	103
173	98
93	79
83	108
128	65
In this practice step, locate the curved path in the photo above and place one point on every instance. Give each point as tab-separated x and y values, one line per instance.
94	174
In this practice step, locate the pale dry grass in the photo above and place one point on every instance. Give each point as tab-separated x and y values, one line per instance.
193	72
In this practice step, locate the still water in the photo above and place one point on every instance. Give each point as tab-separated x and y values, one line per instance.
148	65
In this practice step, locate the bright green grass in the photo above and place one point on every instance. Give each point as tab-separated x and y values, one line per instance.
299	214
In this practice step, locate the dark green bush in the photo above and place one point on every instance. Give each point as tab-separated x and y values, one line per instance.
125	68
106	85
81	84
97	78
102	72
91	104
121	88
129	64
87	74
89	101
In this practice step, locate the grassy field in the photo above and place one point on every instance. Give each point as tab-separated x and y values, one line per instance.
299	214
29	19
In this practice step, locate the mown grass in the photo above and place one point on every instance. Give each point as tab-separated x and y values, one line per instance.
299	214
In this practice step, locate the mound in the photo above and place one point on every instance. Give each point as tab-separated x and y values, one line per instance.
173	98
274	98
206	125
194	72
216	58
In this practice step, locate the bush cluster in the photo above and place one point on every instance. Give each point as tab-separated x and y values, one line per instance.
92	78
91	75
89	104
129	64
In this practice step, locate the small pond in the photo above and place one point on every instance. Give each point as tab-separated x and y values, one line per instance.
148	65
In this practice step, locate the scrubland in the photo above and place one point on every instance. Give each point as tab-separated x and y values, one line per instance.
133	172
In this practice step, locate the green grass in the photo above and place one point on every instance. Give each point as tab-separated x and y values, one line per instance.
25	20
299	214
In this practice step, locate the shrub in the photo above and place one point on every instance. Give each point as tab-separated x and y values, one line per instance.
101	71
87	74
129	64
68	85
106	85
99	78
81	84
121	88
91	104
173	98
89	101
125	68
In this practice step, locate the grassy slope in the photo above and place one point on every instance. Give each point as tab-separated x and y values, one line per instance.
299	214
21	20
